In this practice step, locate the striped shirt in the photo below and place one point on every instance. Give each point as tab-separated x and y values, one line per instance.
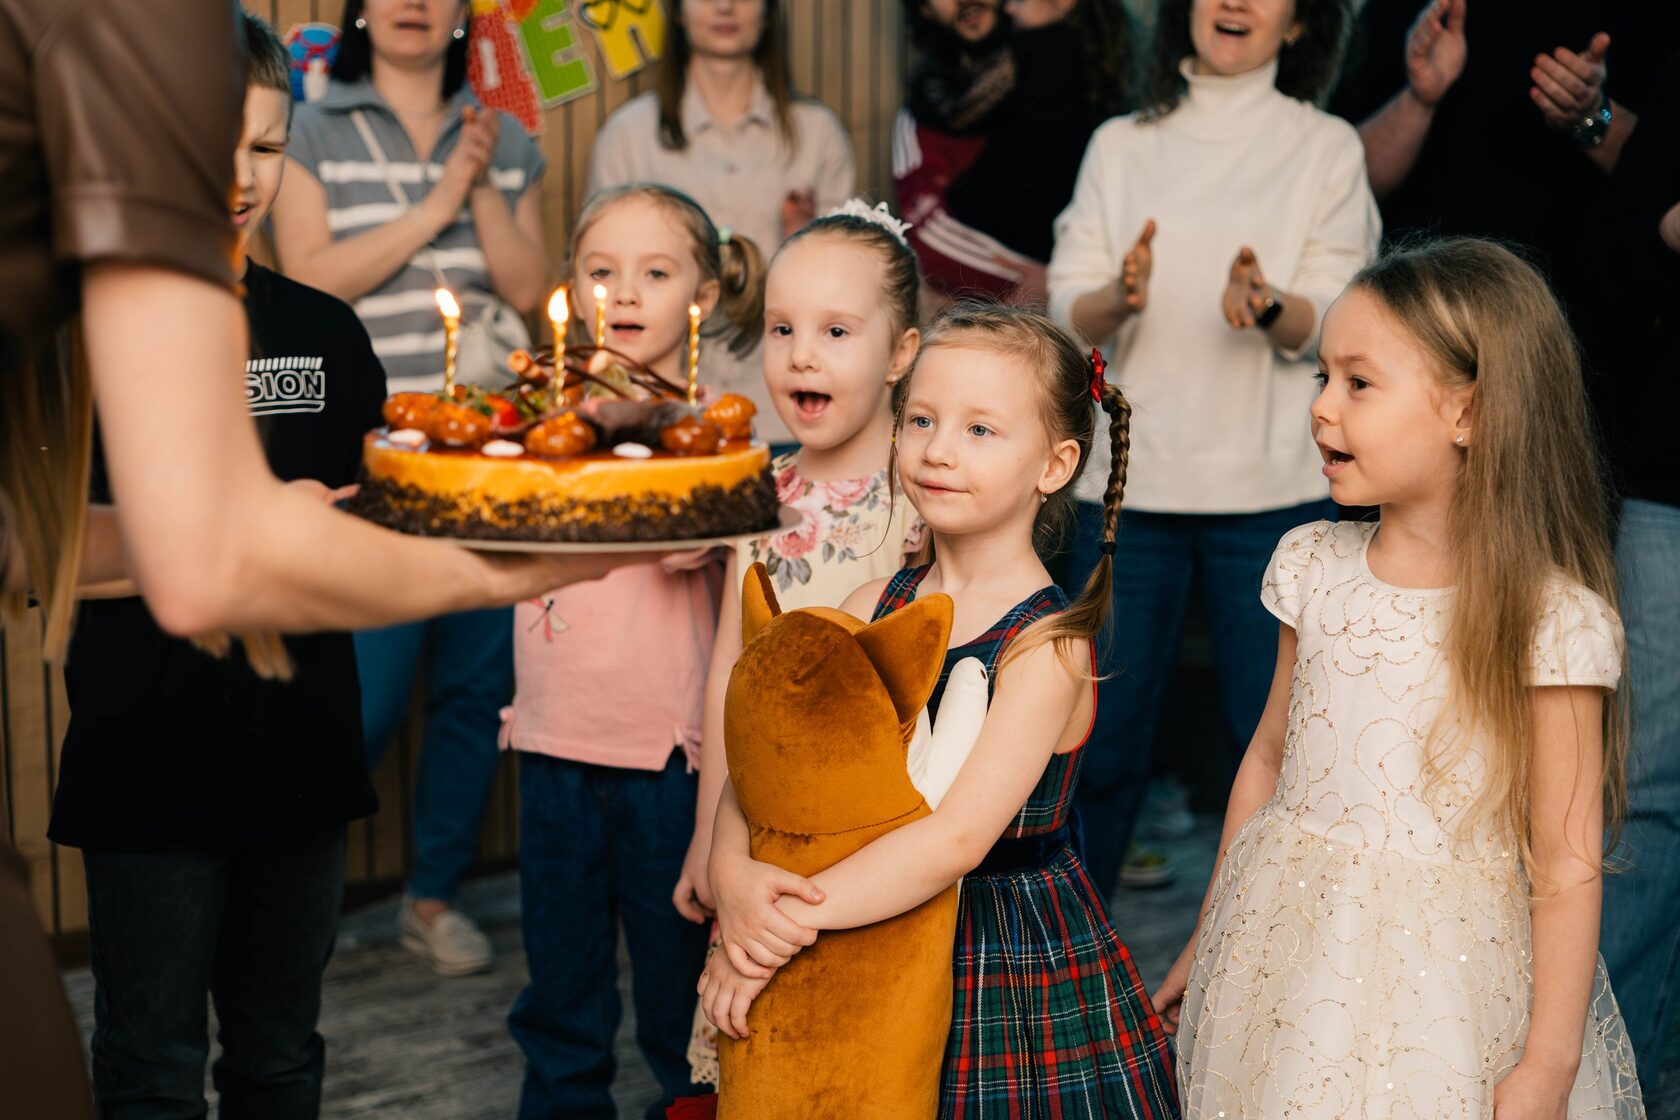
401	315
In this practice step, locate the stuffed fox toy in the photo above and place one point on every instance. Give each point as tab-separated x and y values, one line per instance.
818	721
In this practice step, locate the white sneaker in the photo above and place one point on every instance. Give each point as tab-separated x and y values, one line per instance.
451	944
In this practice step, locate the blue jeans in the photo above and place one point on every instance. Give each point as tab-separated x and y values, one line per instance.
1641	927
1156	557
469	676
598	844
253	927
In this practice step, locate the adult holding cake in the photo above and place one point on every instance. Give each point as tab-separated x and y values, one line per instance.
398	181
726	128
1207	234
115	204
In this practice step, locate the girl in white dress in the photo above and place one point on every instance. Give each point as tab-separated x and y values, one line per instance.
1404	919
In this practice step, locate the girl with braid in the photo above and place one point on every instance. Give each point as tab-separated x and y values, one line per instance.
1049	1017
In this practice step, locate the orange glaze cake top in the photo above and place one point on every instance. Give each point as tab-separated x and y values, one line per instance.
596	475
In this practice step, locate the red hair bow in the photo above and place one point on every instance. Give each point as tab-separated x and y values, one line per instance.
1097	367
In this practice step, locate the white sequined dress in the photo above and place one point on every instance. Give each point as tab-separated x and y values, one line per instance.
1359	957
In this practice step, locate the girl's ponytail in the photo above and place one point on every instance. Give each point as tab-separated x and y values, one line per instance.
740	291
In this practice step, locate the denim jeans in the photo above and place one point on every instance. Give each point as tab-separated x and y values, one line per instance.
252	927
469	677
1641	925
1157	556
599	844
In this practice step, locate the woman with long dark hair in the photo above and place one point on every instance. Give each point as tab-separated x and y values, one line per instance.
726	128
1207	234
399	182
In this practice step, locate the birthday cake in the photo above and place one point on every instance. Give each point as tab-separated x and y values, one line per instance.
586	446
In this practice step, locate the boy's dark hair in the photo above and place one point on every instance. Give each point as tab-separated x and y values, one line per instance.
1306	71
267	63
354	60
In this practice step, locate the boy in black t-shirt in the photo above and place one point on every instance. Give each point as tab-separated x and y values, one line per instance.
210	804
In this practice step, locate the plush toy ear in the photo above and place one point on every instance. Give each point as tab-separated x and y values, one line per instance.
758	602
907	648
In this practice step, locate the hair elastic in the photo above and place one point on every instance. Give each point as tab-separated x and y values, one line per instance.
723	235
1107	547
1097	368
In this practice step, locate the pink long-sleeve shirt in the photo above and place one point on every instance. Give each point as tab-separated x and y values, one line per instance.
613	672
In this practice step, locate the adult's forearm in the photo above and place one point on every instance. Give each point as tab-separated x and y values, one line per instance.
1295	322
517	263
352	267
1393	136
1622	123
1099	313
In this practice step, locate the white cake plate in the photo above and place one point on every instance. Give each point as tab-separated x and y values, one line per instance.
786	519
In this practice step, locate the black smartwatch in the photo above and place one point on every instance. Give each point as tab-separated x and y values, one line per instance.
1595	126
1269	314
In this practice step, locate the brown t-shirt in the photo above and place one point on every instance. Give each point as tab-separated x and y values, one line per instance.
117	128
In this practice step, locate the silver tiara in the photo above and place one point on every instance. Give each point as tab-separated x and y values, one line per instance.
878	216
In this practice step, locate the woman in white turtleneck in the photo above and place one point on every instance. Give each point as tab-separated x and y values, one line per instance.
1206	236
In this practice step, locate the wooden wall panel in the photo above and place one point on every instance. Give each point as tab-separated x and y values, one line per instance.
848	53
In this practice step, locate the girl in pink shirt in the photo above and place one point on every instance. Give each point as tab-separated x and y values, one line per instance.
609	683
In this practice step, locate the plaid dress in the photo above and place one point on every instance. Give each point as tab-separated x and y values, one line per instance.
1049	1018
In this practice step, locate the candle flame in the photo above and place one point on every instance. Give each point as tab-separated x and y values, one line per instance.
600	294
694	311
558	308
447	305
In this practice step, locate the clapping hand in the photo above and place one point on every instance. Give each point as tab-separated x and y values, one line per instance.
1246	293
798	208
1436	50
468	165
1135	269
1569	87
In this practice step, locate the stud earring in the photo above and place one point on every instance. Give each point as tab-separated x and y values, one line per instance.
361	24
1459	441
460	33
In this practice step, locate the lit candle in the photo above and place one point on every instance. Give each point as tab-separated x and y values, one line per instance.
451	312
559	311
693	353
600	314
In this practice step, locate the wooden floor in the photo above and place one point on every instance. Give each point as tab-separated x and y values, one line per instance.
404	1043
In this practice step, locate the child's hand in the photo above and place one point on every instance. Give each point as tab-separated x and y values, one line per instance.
726	995
693	896
1531	1092
1169	997
758	937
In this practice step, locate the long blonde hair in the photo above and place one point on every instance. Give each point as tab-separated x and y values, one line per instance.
46	434
1531	502
1062	373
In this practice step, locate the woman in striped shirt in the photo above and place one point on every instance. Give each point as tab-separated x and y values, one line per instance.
473	212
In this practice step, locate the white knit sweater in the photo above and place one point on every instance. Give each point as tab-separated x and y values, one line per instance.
1219	421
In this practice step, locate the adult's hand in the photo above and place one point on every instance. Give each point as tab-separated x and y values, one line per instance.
1669	228
1568	87
1436	50
467	166
1135	268
798	208
1246	291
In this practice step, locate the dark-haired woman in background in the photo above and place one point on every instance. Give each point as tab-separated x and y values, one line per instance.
1206	236
989	231
473	212
726	129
